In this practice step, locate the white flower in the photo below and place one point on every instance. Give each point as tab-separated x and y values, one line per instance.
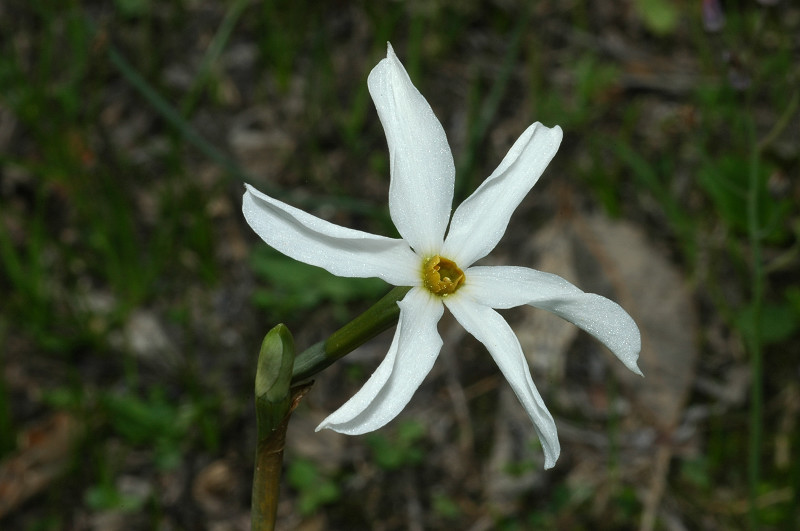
440	269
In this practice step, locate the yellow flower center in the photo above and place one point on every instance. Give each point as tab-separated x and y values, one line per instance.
441	276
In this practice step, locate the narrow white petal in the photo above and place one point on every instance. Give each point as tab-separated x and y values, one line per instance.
493	331
507	287
422	168
342	251
481	220
414	349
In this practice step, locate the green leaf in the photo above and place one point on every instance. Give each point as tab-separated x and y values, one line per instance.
314	488
401	450
777	322
725	180
660	16
106	497
293	286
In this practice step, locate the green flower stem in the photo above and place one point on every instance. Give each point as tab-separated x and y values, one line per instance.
275	402
277	369
381	316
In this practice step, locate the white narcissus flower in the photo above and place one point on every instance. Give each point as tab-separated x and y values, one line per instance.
440	269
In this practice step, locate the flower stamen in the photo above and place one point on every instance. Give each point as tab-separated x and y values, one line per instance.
441	276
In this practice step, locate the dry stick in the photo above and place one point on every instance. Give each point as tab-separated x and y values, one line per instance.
653	499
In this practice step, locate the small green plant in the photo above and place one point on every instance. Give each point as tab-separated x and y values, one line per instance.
392	453
445	507
314	487
105	494
695	471
291	287
660	16
153	422
725	180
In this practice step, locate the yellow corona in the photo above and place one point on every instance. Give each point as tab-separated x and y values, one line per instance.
441	276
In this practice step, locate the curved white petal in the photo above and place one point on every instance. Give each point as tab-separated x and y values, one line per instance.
342	251
481	220
507	287
414	349
422	168
493	331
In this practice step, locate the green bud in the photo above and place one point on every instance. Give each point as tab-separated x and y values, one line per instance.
275	363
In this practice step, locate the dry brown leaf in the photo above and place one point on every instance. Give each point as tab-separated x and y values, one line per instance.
615	260
653	292
45	453
216	486
643	282
544	336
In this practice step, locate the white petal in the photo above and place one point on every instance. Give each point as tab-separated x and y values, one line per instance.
493	331
507	287
342	251
414	349
422	168
481	220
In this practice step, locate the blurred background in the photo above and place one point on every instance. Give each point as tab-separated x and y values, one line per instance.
133	297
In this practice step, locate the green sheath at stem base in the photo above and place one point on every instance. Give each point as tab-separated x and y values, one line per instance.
275	400
267	473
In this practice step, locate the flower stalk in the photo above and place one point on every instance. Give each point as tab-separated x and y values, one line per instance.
379	317
275	401
278	368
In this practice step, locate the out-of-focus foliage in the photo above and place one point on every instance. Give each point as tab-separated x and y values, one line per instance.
133	298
